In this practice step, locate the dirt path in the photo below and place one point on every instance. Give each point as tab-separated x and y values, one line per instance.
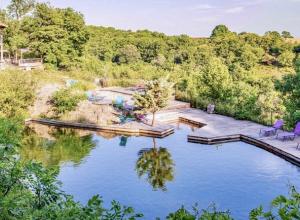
41	105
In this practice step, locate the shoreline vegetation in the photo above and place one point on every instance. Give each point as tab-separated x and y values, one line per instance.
244	75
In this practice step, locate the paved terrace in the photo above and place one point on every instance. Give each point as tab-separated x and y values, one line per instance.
218	126
111	93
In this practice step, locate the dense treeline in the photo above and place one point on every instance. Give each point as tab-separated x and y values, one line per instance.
56	35
238	72
233	71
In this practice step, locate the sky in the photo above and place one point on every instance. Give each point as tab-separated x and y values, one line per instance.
196	18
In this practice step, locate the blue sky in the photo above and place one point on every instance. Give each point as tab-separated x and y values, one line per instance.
192	17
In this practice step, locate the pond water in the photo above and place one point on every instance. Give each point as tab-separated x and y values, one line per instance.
158	176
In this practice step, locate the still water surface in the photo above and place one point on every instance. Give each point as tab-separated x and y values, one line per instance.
158	176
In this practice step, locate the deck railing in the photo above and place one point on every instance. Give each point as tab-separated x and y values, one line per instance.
30	61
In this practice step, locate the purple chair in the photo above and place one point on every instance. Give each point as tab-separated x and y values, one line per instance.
289	135
272	131
141	117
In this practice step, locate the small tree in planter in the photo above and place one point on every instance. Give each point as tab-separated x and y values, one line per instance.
156	96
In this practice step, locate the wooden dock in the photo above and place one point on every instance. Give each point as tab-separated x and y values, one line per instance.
219	129
159	131
214	129
246	139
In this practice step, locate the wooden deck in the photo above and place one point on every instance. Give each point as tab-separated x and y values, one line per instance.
218	129
28	64
213	129
133	128
246	139
111	93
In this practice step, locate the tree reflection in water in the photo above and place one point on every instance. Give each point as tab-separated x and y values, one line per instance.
157	165
66	146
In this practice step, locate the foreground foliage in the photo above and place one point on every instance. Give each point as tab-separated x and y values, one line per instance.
206	214
30	191
282	208
17	93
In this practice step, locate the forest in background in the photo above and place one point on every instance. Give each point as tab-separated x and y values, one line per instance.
245	75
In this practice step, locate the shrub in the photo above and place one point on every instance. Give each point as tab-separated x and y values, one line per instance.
17	93
10	132
66	100
127	54
205	214
286	59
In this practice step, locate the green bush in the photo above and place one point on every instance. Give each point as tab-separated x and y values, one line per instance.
66	100
17	93
10	132
286	59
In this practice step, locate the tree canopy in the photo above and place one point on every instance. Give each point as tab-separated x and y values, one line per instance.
156	97
18	8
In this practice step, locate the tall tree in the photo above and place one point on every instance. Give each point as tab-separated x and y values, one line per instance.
220	30
58	35
156	96
18	8
286	34
127	54
290	87
214	80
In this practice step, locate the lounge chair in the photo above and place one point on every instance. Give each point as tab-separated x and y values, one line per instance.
124	119
119	102
93	97
289	135
141	117
272	130
128	107
210	109
71	82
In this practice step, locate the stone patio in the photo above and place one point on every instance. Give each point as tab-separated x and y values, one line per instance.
220	126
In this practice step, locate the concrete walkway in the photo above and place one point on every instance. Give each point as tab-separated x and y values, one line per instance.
220	126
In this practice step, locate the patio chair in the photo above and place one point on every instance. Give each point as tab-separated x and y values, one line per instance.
71	82
289	135
93	97
210	109
98	98
128	107
272	130
124	119
141	117
119	102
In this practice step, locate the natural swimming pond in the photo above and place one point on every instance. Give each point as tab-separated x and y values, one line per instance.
158	176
